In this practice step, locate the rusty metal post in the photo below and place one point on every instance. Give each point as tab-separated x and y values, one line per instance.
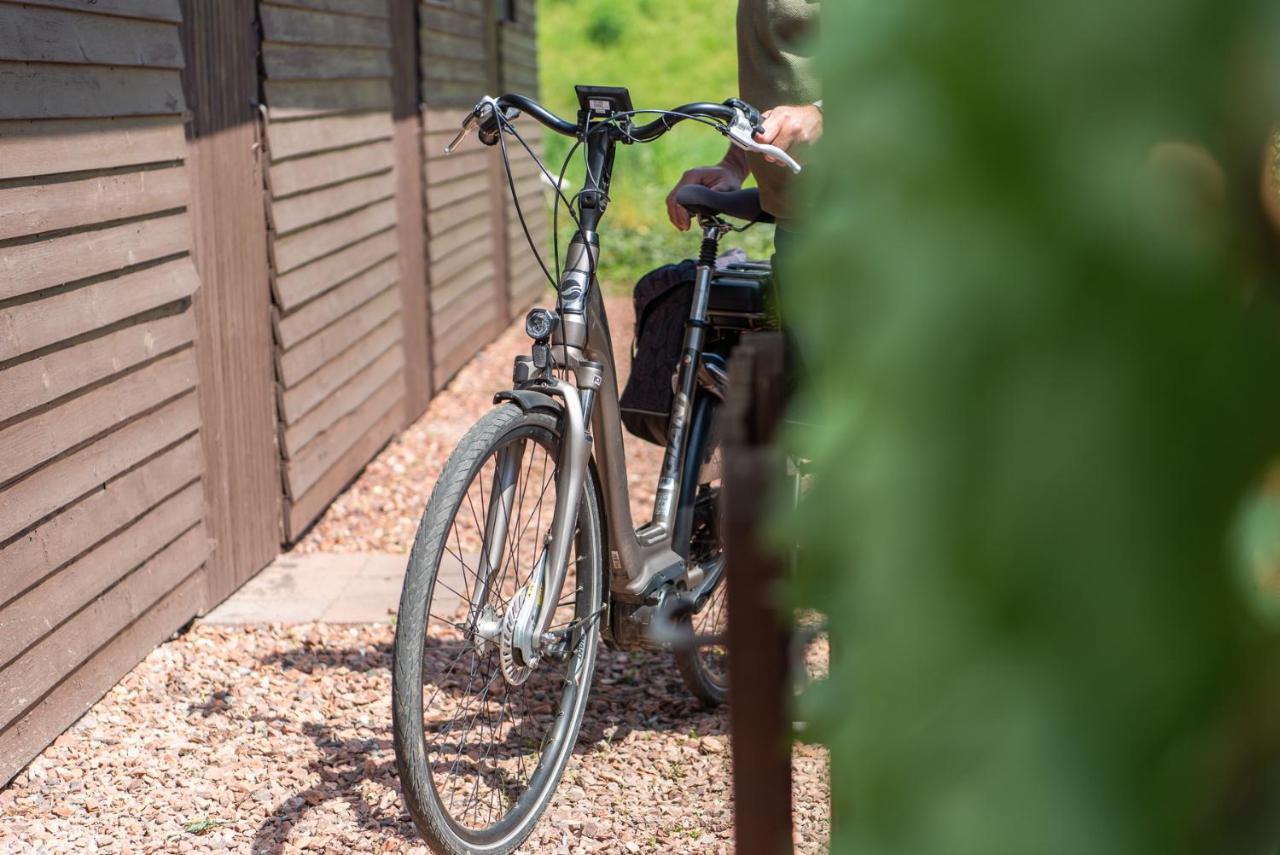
758	630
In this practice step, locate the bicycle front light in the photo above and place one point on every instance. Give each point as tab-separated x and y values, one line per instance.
539	324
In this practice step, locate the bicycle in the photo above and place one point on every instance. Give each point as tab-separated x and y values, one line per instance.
504	602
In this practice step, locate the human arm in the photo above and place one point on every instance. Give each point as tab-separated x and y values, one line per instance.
791	126
724	177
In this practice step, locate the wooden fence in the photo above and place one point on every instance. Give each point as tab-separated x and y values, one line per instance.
232	264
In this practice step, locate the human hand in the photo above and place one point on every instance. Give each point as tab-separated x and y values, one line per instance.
720	178
788	127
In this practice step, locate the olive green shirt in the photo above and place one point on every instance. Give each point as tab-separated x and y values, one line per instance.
777	40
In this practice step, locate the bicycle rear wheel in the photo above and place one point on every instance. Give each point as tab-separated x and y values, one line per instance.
482	737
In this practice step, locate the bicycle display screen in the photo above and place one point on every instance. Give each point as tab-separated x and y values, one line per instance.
604	100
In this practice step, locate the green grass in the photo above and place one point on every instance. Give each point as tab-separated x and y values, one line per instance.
666	53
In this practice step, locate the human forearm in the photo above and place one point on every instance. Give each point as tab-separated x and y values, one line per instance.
735	160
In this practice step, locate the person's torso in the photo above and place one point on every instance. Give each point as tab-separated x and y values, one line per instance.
776	44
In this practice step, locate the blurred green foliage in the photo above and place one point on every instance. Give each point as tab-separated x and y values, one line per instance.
1043	360
667	53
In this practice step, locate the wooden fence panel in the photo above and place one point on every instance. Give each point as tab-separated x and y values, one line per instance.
458	66
334	243
102	534
518	70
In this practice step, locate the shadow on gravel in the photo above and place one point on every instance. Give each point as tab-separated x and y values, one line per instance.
639	691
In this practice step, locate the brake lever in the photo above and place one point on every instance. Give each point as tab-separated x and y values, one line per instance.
742	134
469	124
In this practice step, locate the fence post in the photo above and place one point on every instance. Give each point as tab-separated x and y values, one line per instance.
410	205
759	638
234	345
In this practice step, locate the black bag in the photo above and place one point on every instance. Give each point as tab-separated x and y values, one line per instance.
662	299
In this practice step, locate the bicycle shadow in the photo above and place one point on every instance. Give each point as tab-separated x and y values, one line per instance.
630	691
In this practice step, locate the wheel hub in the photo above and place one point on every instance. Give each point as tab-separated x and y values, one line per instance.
515	644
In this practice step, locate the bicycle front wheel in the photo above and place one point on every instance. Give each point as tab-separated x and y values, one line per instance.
482	736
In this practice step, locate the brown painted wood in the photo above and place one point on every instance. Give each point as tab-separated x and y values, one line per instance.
32	206
301	99
32	615
33	34
410	205
149	10
41	437
309	356
22	740
295	250
296	287
232	308
325	133
29	267
342	401
26	327
41	91
314	62
459	236
71	145
308	209
80	526
36	382
336	304
312	391
66	479
759	643
305	511
44	663
321	170
366	8
285	24
320	455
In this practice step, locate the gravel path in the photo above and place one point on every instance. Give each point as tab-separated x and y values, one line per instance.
277	739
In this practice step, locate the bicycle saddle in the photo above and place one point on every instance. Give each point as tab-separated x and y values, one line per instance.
740	204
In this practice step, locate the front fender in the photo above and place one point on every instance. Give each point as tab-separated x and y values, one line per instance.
531	401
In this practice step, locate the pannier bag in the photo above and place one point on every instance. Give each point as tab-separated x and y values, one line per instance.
662	300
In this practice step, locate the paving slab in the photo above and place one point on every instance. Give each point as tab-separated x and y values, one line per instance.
326	587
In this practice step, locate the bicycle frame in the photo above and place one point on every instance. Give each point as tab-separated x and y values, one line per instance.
642	560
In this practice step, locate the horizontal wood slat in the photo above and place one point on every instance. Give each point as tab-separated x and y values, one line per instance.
34	440
296	287
296	401
43	664
305	510
30	208
321	170
32	34
26	327
300	99
68	478
345	399
30	616
317	457
308	62
308	136
36	382
36	265
365	8
307	357
285	24
332	306
36	554
71	145
288	215
22	740
38	91
297	249
148	10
